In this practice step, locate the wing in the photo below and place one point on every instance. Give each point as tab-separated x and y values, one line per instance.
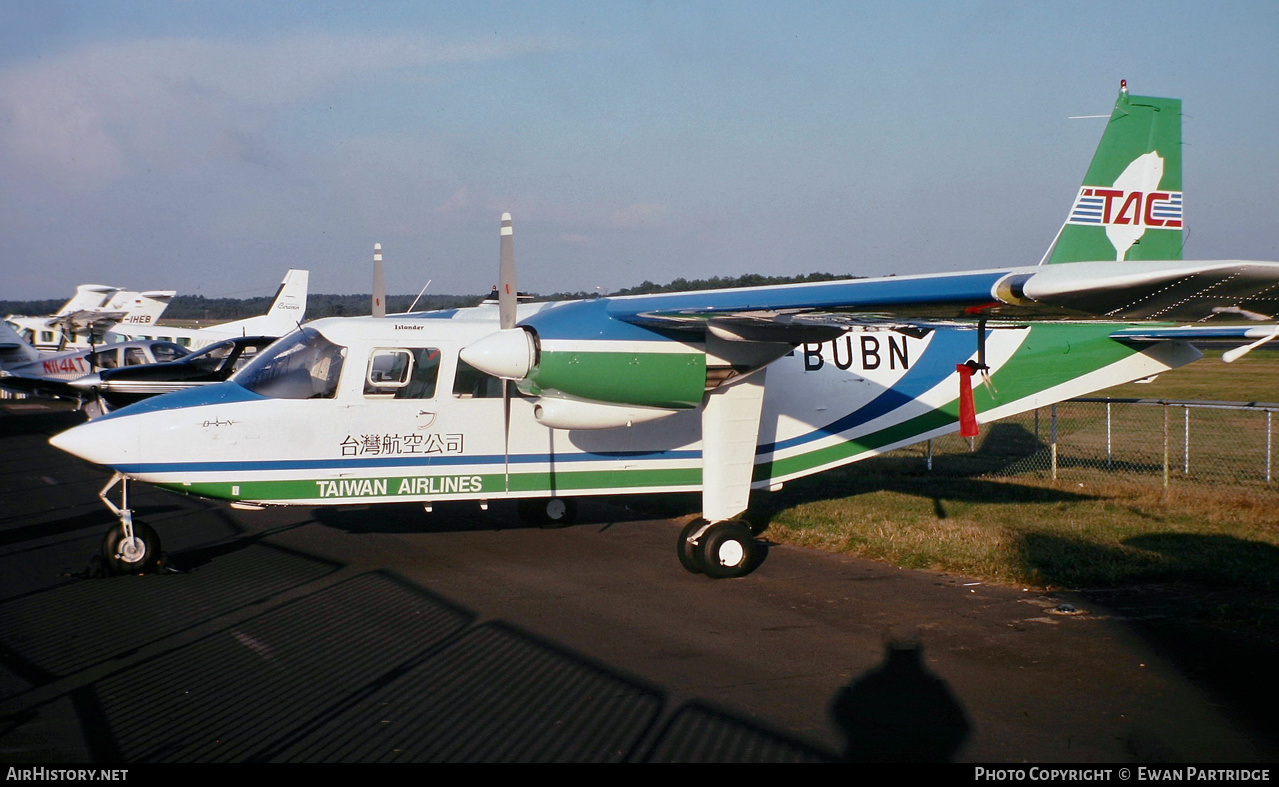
1173	291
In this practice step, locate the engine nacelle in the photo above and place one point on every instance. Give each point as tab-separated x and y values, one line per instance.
577	414
637	378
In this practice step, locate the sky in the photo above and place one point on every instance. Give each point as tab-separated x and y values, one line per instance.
206	147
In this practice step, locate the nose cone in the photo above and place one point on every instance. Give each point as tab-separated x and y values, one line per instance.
101	441
507	354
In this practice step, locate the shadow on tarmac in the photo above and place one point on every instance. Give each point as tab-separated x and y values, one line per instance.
373	668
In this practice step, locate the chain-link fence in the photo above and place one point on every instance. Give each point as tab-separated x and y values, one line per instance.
1150	440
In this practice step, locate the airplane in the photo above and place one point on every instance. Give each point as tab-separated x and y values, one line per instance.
111	389
726	393
286	312
83	320
23	369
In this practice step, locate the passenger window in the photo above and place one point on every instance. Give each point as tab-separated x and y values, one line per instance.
104	359
402	373
471	383
134	356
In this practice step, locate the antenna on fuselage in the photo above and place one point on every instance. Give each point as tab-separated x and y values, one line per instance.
379	283
419	295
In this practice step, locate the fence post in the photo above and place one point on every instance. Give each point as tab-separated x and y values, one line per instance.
1053	439
1185	457
1269	419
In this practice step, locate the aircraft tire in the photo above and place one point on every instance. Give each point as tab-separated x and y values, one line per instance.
687	551
727	549
140	557
548	512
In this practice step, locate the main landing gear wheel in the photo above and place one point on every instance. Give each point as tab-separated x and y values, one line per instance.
132	555
723	550
548	511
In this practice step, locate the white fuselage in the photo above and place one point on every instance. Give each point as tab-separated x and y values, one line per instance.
825	405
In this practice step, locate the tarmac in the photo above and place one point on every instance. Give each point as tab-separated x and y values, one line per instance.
385	634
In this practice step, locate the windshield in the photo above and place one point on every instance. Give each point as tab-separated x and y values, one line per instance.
303	365
210	358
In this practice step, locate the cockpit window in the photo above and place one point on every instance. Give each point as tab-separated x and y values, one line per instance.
303	365
168	352
211	358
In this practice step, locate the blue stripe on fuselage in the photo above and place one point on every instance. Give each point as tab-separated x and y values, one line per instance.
349	463
947	348
221	393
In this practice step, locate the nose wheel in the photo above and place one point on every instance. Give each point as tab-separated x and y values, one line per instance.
130	547
131	553
719	550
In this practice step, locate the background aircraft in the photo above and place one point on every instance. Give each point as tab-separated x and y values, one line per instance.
110	389
286	312
51	375
83	320
718	392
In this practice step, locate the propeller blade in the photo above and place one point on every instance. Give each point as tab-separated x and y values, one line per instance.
379	283
506	289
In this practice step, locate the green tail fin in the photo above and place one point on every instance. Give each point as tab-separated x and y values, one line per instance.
1129	207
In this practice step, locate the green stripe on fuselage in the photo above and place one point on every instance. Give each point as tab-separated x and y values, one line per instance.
465	485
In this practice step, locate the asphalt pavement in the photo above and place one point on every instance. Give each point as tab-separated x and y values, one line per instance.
385	633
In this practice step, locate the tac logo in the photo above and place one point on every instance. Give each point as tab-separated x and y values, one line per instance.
1131	205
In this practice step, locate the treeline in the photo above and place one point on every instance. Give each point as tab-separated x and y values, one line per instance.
197	307
720	283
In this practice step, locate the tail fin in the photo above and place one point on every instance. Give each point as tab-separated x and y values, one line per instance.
91	297
289	305
285	313
1129	207
14	350
141	308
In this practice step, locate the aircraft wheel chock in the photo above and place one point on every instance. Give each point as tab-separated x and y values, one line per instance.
132	556
727	549
548	511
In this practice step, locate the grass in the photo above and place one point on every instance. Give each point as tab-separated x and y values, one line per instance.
1254	378
1032	532
1213	548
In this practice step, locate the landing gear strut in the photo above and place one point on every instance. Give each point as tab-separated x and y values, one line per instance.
719	550
130	547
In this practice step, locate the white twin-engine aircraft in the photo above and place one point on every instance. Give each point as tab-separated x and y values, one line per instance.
83	321
719	392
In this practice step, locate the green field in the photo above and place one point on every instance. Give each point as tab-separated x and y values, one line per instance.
1215	546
